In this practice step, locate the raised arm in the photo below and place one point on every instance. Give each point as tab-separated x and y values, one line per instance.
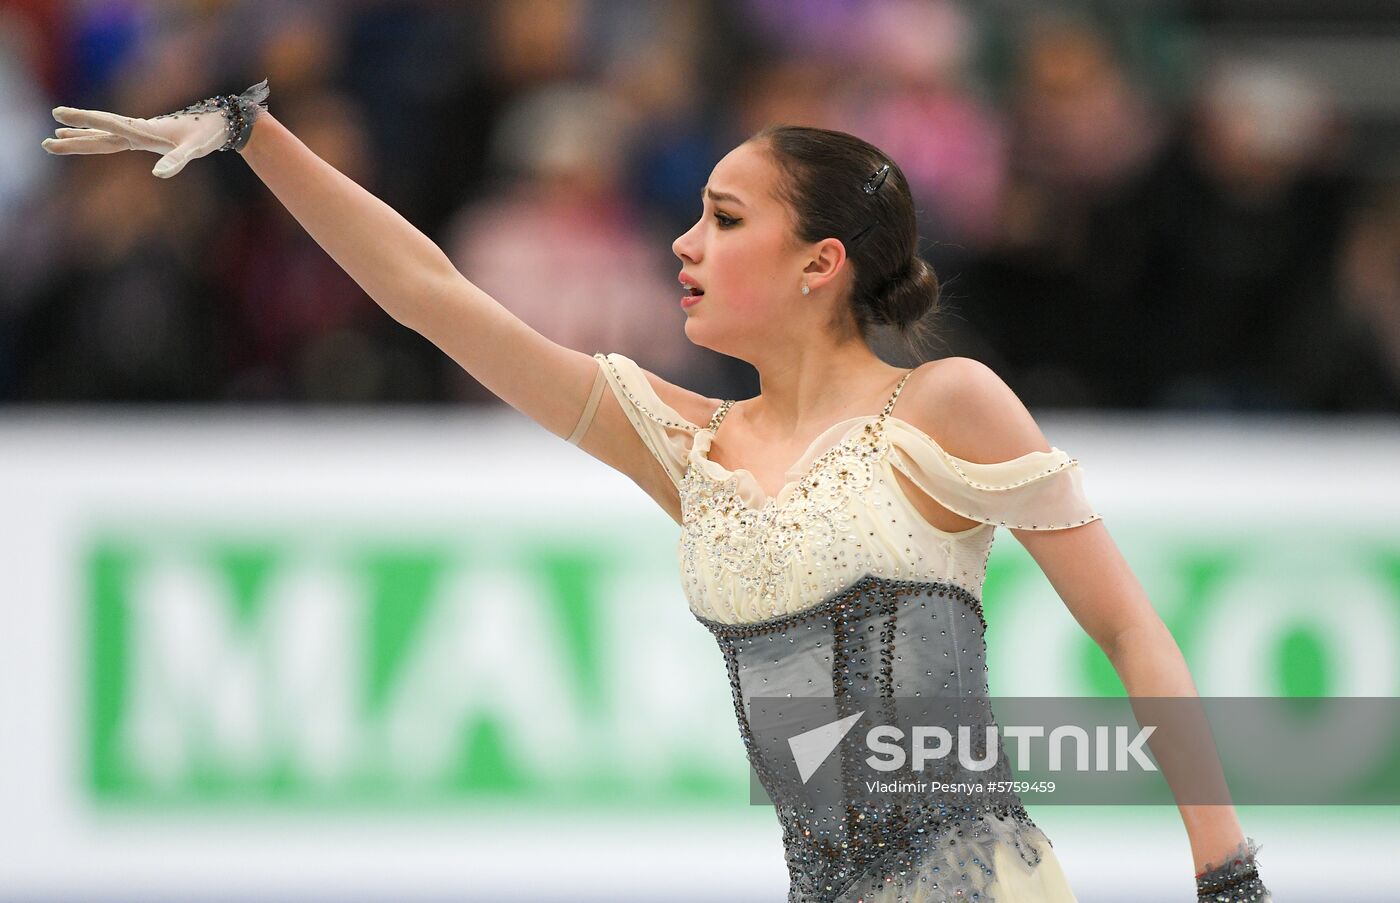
416	284
412	279
397	265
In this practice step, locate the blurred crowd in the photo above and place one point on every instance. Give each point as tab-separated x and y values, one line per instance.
1119	218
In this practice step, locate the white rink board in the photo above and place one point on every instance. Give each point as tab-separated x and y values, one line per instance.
430	475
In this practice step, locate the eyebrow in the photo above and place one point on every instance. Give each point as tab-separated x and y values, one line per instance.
720	196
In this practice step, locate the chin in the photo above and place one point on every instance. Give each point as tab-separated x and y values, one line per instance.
702	336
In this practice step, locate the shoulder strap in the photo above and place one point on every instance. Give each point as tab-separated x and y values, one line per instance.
719	414
889	406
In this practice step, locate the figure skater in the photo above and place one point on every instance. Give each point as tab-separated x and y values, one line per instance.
835	540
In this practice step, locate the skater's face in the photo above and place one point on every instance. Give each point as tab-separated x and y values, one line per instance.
744	254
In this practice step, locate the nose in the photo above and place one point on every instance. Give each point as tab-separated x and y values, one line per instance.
684	246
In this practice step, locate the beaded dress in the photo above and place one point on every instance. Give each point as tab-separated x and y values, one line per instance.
838	585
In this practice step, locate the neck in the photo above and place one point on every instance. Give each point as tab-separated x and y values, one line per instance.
807	388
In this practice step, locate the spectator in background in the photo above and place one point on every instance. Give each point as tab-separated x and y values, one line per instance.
659	75
120	308
1048	300
1235	233
425	70
23	184
23	115
305	331
559	244
812	29
1092	250
668	63
914	98
1359	369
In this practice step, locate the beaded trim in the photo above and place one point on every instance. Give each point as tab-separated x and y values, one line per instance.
815	464
1235	880
839	601
732	479
899	465
918	837
813	469
755	546
239	110
719	415
952	462
637	402
877	844
723	409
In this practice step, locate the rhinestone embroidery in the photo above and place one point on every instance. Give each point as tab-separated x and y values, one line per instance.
756	547
1068	462
877	637
636	402
743	563
790	593
240	111
1235	880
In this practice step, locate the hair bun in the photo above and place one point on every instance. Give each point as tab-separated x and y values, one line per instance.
908	296
821	174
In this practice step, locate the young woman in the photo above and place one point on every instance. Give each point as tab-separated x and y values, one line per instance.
821	526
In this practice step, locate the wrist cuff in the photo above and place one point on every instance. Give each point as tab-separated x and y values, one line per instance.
242	111
1235	880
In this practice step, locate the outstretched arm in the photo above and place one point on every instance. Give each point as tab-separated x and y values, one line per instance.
396	264
416	283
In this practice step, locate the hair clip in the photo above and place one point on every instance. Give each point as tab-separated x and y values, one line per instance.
859	237
873	184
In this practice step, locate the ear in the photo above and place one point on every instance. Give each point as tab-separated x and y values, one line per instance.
826	264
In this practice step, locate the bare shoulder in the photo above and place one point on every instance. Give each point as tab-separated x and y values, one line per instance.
691	405
970	411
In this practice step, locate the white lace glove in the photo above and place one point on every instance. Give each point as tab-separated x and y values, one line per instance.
217	124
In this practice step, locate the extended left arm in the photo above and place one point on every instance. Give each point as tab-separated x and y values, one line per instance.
1091	576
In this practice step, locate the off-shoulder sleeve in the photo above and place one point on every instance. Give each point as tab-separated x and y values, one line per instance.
667	435
1038	491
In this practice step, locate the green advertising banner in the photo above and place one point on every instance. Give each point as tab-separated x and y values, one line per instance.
540	668
269	655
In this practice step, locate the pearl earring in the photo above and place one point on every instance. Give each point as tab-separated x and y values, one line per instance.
805	289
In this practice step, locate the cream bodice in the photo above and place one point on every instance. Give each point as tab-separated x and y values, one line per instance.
837	589
842	514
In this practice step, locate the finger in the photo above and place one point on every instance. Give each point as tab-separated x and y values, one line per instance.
93	119
171	164
84	141
80	133
101	143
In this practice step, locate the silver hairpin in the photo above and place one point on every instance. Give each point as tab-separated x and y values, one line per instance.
873	184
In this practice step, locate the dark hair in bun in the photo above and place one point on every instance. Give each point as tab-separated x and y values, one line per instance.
839	186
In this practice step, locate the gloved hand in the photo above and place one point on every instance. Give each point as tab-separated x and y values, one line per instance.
216	124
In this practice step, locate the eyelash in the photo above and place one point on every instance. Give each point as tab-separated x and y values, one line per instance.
725	222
